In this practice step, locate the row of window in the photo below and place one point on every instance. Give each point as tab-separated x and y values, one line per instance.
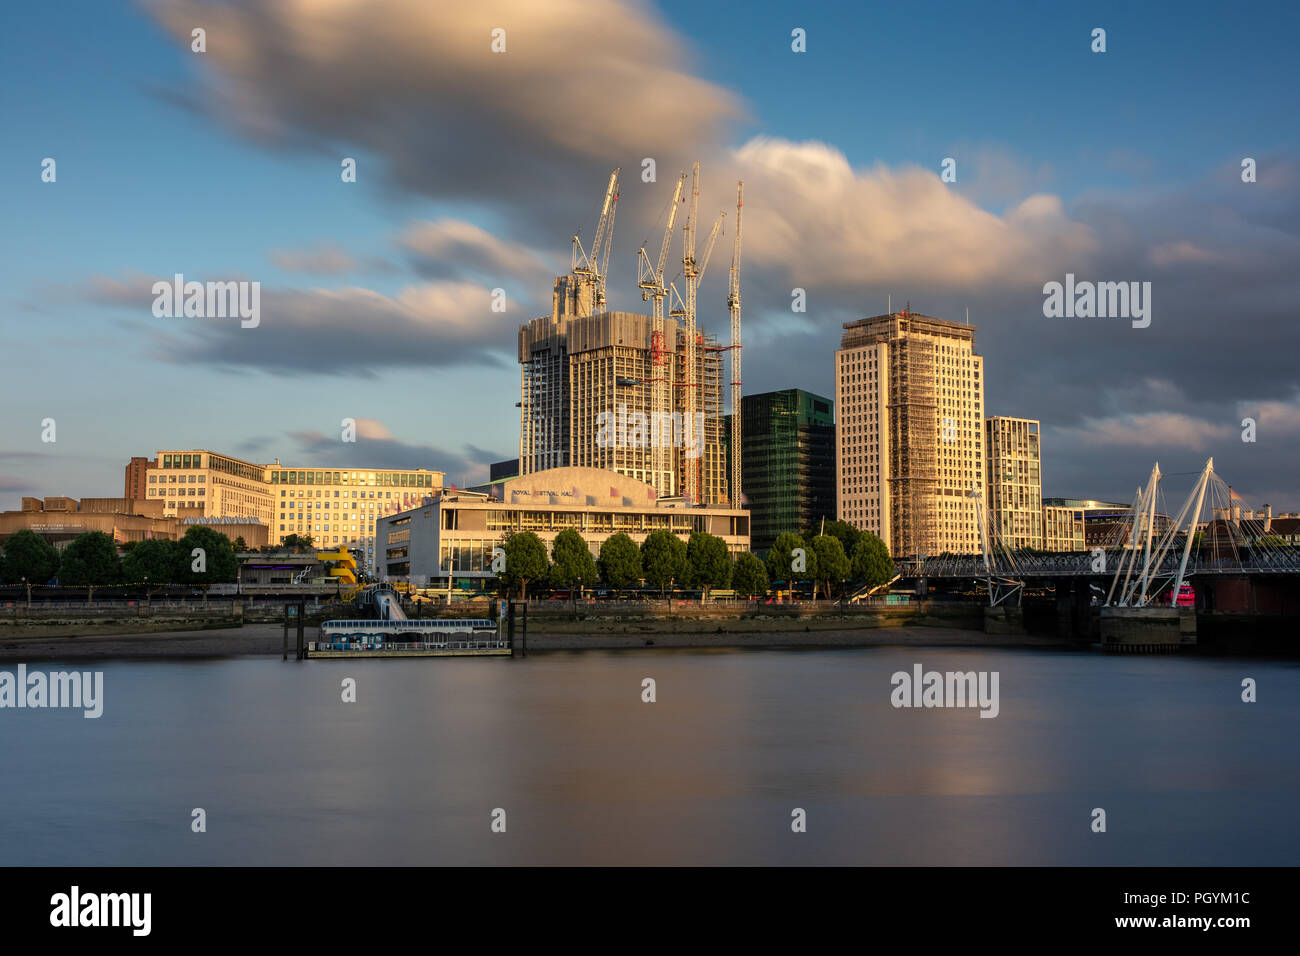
182	461
173	479
403	479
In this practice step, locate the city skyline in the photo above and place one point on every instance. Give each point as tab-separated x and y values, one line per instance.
375	301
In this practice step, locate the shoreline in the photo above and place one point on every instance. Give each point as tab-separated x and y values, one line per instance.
265	640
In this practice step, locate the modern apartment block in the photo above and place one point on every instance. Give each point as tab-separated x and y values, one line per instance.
1063	528
909	390
586	398
787	462
1014	481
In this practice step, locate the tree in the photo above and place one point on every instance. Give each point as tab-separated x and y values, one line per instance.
619	562
663	559
784	564
832	563
708	563
240	544
28	555
90	560
847	534
153	559
572	564
525	561
214	561
871	563
749	576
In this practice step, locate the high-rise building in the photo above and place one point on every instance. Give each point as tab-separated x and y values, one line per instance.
787	462
136	484
586	398
1014	481
909	390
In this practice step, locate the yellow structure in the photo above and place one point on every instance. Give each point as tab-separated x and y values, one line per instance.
344	564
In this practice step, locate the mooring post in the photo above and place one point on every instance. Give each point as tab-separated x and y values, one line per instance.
284	655
302	606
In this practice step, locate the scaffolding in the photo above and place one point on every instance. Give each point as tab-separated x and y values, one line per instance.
914	472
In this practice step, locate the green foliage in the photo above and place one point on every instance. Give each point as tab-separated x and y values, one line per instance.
847	535
832	563
708	563
871	562
90	559
620	561
749	576
152	558
781	559
572	565
241	544
663	559
296	543
525	561
28	555
218	556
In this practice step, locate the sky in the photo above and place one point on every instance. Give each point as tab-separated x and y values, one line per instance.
475	167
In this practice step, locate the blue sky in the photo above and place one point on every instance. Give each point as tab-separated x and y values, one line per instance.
210	165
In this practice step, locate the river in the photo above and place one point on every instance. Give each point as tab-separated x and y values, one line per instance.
711	772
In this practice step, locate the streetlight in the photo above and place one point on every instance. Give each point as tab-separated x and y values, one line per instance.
147	595
29	591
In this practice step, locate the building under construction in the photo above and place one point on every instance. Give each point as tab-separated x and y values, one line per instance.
586	398
910	394
641	395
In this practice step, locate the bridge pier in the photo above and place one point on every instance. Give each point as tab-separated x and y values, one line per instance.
1147	630
1004	619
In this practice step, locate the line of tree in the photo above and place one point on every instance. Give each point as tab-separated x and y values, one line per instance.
832	557
664	562
202	556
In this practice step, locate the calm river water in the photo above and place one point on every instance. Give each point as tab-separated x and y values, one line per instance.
709	773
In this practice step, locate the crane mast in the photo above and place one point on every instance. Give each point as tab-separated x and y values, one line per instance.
591	267
733	306
690	467
650	278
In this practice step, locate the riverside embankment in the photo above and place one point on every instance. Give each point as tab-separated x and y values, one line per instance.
231	629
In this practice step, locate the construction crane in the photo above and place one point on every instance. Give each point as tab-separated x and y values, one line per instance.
692	276
592	268
733	306
650	278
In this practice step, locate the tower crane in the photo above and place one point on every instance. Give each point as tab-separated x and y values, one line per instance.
692	276
591	268
650	278
733	306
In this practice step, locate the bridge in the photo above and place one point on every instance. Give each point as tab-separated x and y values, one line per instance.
1143	562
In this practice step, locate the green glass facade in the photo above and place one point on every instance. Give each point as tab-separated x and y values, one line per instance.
788	462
